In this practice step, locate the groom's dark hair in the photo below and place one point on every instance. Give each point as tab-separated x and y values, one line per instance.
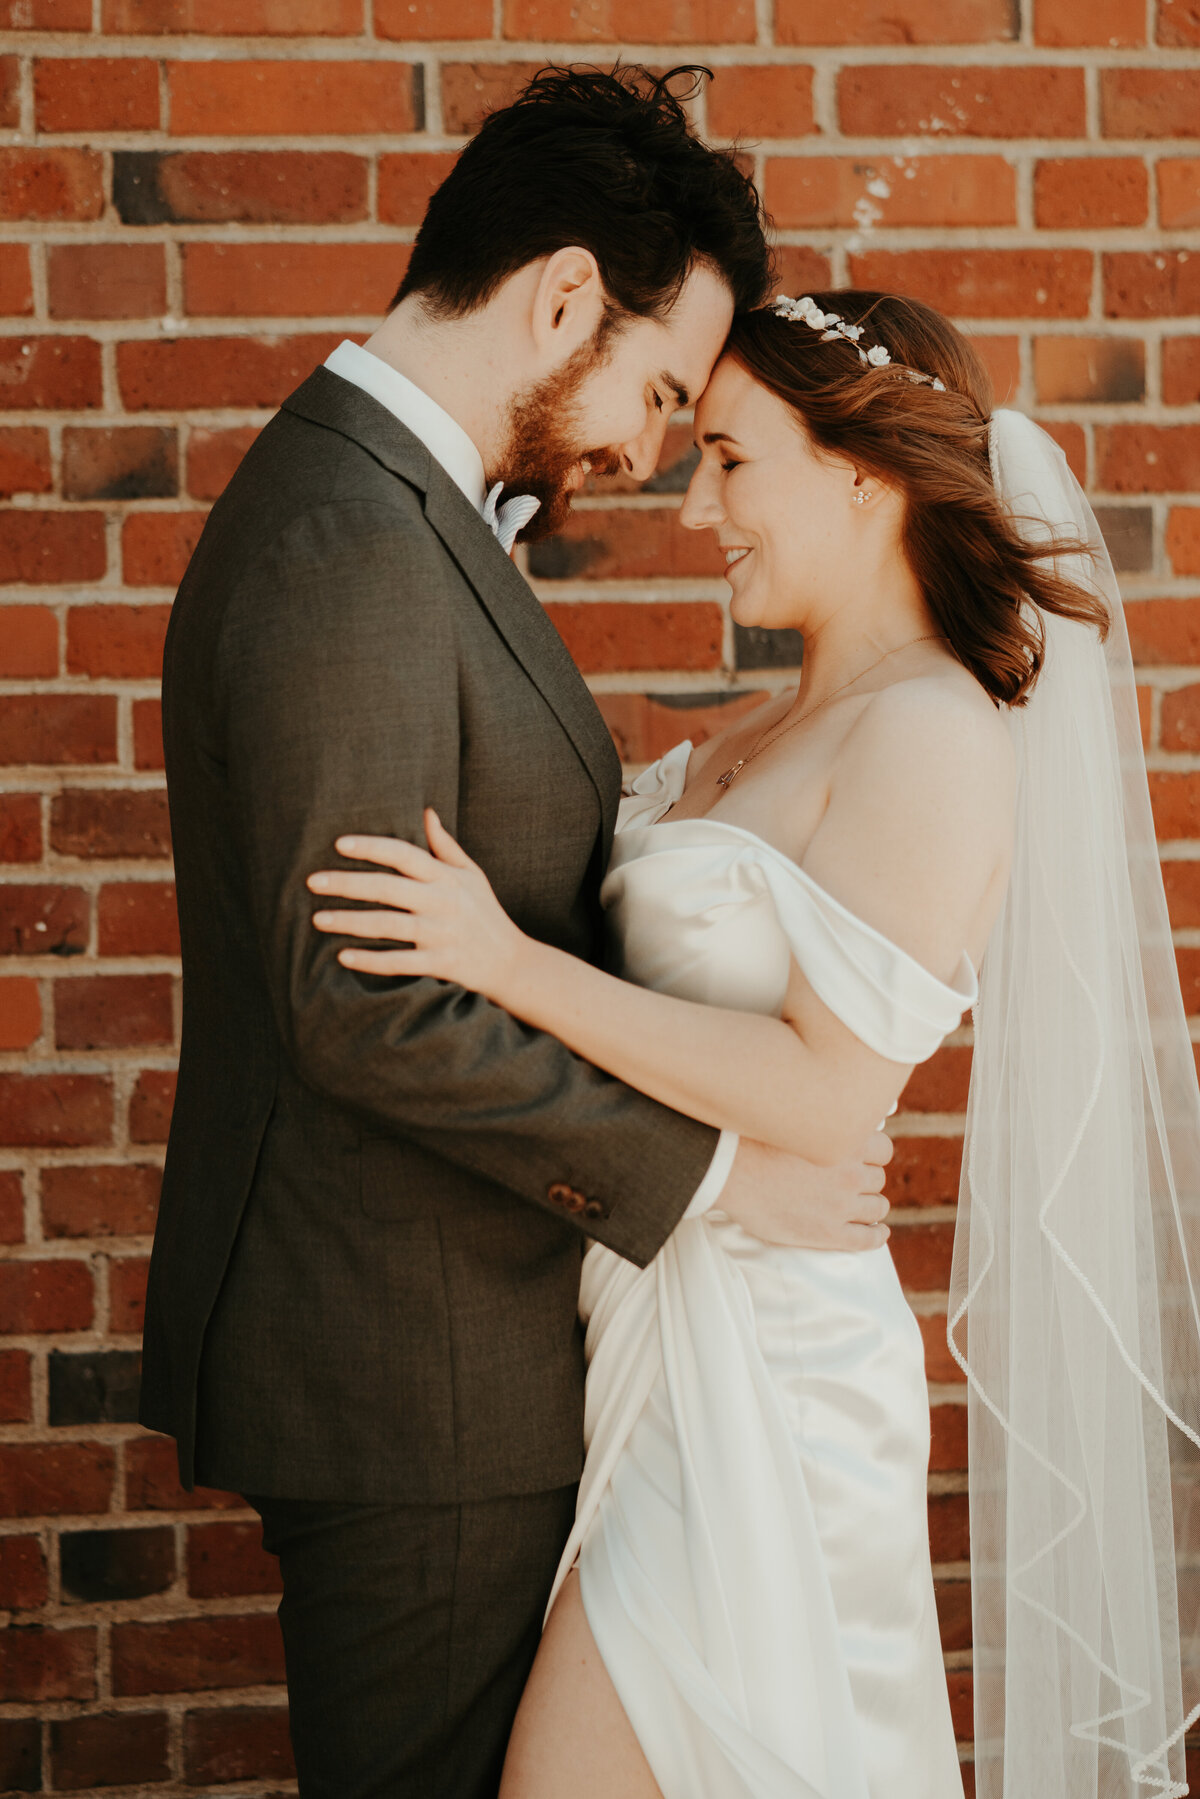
605	161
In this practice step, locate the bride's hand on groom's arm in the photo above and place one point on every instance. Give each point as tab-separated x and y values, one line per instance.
779	1198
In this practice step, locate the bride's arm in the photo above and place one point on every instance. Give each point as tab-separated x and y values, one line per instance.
913	836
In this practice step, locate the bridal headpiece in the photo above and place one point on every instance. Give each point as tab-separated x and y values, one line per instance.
831	325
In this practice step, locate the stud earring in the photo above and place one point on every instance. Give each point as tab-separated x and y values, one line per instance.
860	499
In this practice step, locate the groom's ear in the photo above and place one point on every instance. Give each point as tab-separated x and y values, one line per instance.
568	302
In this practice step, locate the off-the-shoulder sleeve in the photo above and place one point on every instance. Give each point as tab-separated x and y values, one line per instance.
656	789
878	990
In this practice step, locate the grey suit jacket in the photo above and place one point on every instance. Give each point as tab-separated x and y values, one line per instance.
366	1268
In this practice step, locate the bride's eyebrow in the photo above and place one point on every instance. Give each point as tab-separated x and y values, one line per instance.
720	437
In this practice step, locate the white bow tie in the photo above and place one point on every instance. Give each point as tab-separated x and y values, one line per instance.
507	520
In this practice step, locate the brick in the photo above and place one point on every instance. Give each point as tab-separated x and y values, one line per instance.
44	373
227	1559
89	822
12	1205
646	725
46	15
886	22
182	373
127	1277
45	1296
58	728
20	1738
1187	962
195	1654
20	827
1181	729
924	1171
212	457
1182	879
20	1012
28	642
47	1479
55	1111
948	1452
1179	191
38	1664
1178	24
156	546
151	1105
1115	24
470	90
1071	441
95	93
756	647
768	102
1183	539
101	1565
605	636
426	19
291	280
1071	370
622	21
1090	192
40	919
237	1743
1144	284
270	99
890	190
152	1481
138	918
109	1749
10	93
119	641
109	1200
960	1686
16	1386
120	462
106	281
901	100
949	1527
16	283
941	1084
408	181
1148	458
1040	284
1181	370
95	1387
1129	533
954	1613
236	18
42	547
147	734
1175	798
1001	356
922	1254
23	1581
113	1011
248	187
51	184
623	545
24	460
802	270
1155	102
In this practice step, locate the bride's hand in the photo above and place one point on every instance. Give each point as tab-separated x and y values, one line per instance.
440	906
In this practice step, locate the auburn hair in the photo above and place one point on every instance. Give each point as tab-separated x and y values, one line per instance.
985	584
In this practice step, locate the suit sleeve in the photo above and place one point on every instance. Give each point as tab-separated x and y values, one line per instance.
339	680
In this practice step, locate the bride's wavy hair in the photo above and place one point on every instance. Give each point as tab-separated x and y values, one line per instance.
975	569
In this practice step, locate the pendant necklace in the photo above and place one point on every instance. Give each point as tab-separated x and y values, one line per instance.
765	741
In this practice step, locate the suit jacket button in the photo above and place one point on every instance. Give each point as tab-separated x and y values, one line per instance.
593	1209
569	1198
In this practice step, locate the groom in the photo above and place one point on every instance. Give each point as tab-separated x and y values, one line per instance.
362	1307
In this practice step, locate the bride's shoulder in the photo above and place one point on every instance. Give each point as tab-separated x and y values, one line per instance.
941	719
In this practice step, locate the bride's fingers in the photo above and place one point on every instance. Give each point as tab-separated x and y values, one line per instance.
393	961
393	852
400	927
867	1236
444	847
381	890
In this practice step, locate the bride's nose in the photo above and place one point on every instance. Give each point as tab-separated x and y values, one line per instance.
701	509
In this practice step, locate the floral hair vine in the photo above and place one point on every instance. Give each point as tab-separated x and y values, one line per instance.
831	325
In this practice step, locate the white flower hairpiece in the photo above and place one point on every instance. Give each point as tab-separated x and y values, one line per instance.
831	325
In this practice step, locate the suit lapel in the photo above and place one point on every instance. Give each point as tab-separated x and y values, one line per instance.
502	590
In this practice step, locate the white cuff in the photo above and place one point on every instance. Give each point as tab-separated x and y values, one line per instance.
713	1185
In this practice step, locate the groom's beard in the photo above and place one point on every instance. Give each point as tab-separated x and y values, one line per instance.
543	453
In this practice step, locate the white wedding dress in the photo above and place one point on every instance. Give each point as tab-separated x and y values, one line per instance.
752	1531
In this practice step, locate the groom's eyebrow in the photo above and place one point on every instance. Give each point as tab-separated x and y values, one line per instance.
677	387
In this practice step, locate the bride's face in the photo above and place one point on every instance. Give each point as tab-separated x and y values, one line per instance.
784	516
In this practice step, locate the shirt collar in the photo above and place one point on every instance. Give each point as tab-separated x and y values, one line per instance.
442	435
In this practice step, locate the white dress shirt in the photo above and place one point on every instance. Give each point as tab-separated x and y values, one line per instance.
450	445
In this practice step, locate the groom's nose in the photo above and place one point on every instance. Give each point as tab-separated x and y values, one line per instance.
639	457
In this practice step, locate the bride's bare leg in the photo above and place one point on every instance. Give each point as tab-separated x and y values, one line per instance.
571	1738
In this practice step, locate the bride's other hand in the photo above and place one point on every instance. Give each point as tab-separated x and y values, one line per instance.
438	904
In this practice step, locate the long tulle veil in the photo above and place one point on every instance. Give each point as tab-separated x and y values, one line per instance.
1075	1310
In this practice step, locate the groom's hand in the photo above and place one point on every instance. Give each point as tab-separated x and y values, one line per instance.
778	1198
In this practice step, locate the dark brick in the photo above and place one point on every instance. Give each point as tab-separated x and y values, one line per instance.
756	647
241	1743
1129	534
88	822
98	1387
23	1579
131	462
109	1749
20	1755
37	919
117	1564
257	187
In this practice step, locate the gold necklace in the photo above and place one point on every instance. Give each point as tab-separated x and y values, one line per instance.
765	741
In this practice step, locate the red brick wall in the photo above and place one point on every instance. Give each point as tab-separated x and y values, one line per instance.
201	197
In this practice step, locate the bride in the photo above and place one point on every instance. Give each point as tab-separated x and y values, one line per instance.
797	913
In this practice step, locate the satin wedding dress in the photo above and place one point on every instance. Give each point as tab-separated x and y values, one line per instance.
752	1531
